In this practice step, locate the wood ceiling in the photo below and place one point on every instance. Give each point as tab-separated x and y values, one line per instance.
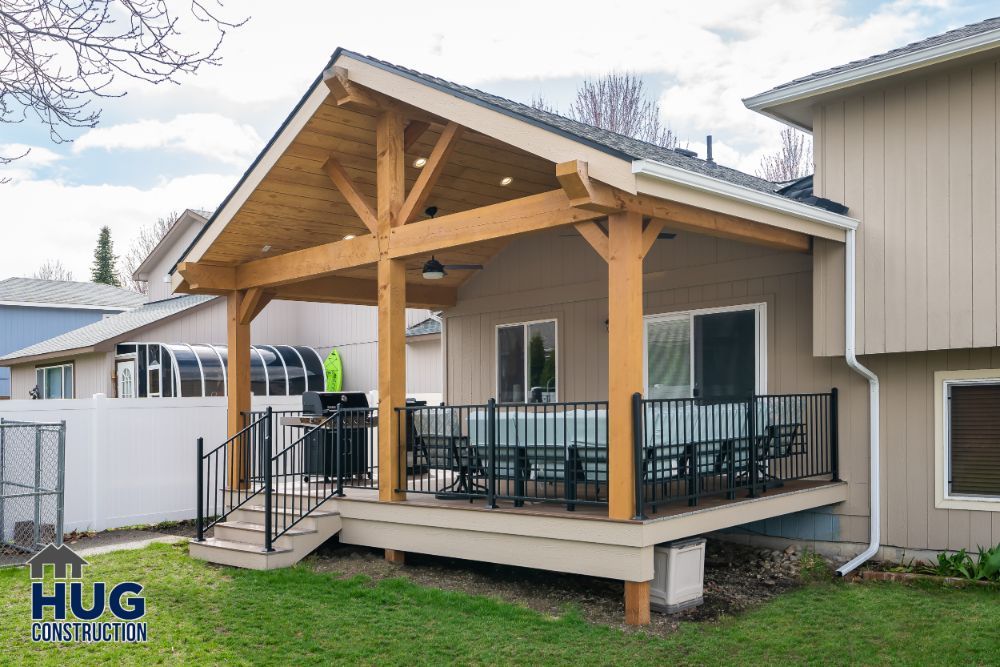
298	206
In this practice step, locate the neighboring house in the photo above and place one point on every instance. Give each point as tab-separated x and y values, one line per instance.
33	310
183	333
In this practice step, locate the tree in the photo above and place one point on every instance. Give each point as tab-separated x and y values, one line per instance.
103	269
143	244
53	269
59	56
619	102
793	160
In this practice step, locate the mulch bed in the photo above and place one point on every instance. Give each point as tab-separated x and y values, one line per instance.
737	578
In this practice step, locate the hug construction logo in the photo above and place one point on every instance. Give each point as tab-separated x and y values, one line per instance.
75	620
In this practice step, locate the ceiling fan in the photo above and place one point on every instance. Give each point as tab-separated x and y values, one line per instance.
435	270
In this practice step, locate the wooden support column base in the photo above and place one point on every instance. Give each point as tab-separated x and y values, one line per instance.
637	603
399	558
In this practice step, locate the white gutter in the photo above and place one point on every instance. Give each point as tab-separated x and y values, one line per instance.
875	70
874	475
741	193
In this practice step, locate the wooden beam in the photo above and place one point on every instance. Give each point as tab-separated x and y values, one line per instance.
637	602
486	223
308	263
206	279
411	135
650	234
595	236
685	217
343	181
347	93
430	172
625	376
583	192
238	385
390	190
255	300
339	289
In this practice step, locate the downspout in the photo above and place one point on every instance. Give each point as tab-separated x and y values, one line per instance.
850	355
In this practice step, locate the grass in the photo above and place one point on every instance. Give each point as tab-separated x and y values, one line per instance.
201	614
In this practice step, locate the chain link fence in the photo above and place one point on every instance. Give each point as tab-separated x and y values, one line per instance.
32	474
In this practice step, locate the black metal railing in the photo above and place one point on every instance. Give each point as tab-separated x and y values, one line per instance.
537	452
689	448
232	473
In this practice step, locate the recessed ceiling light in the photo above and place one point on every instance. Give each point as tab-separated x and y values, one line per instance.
506	180
266	248
419	162
349	237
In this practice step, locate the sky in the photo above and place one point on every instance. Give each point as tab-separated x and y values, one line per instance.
169	147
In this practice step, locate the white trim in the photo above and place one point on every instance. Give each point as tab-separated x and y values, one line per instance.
111	310
496	356
305	371
943	498
62	380
225	370
760	342
201	369
263	364
741	193
876	70
288	388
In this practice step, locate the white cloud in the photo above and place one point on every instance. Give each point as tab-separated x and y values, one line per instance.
25	160
206	134
48	219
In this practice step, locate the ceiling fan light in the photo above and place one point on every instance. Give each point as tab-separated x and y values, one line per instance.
433	270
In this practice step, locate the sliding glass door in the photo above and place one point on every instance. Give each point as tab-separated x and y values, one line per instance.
713	354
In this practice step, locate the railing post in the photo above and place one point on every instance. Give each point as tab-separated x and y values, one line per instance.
752	439
834	437
61	483
637	446
491	447
339	452
268	530
200	525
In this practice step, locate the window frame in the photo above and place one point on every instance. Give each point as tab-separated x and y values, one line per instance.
71	365
760	343
496	358
944	499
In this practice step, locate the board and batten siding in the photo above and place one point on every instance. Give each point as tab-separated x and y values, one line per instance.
558	276
916	163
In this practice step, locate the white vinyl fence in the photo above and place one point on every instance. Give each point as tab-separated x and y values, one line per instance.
132	461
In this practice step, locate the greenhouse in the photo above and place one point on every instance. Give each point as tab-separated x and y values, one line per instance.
181	370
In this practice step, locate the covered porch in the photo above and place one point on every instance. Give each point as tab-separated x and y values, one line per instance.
391	189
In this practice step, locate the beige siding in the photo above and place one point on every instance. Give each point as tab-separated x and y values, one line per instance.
91	375
916	163
558	276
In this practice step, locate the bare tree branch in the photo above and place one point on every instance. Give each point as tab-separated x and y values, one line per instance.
620	103
143	244
793	160
58	56
53	269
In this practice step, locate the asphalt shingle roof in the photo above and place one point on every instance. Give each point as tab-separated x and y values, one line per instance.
621	145
111	327
34	290
914	47
425	328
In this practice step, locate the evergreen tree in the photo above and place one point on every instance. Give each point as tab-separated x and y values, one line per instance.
103	270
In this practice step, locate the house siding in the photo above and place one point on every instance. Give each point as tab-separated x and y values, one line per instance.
559	276
916	162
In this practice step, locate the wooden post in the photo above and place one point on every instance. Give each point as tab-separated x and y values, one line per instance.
238	381
637	603
625	252
390	188
395	556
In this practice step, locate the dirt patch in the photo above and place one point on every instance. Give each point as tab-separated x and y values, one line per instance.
737	578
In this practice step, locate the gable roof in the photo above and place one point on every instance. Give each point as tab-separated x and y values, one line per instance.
66	294
963	41
109	328
425	327
166	244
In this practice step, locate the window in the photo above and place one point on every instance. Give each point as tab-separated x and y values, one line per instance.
713	354
968	457
54	381
526	362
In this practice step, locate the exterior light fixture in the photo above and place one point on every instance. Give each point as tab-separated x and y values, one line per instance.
433	270
266	248
506	180
348	237
419	162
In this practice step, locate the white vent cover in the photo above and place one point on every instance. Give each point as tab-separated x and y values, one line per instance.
678	575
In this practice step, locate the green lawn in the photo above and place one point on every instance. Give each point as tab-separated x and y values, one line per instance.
199	614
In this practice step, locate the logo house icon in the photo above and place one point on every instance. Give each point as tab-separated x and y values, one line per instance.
60	558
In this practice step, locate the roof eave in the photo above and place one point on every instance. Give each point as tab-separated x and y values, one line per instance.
727	190
907	62
156	254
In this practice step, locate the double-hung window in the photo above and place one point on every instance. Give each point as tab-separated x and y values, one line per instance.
968	459
527	362
54	381
715	354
